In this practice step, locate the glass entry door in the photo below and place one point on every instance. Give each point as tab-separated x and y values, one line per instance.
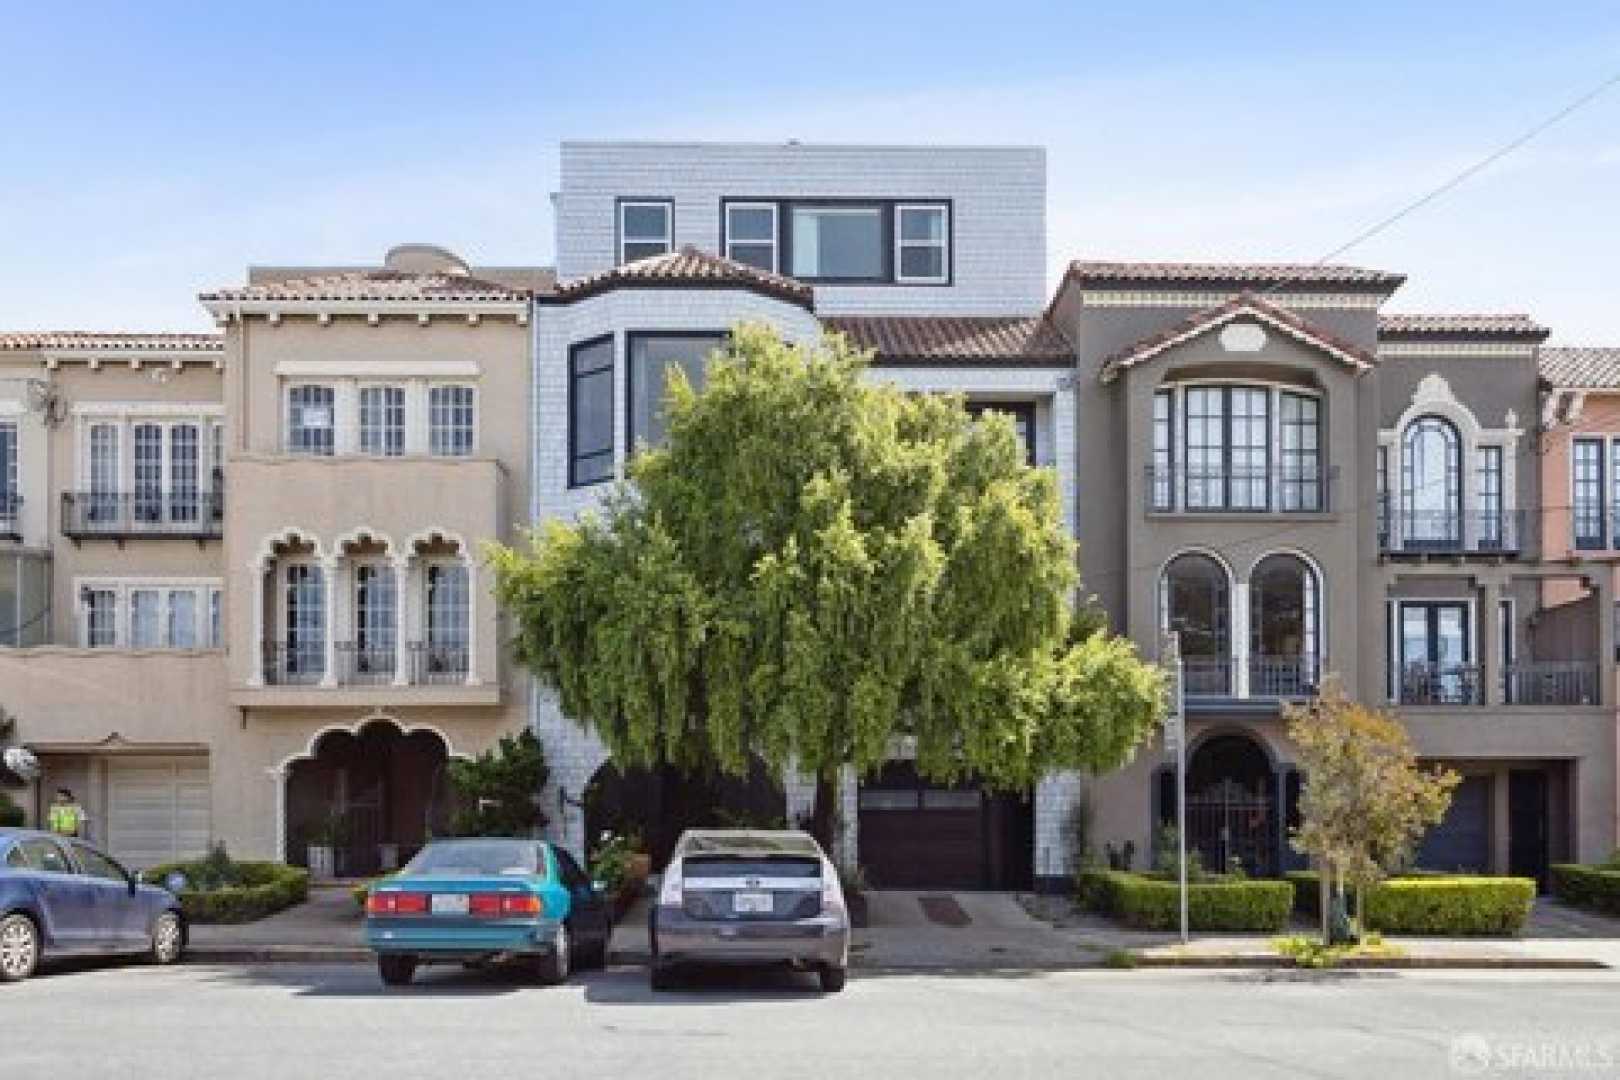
1435	654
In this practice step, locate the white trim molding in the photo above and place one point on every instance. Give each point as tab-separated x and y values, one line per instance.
381	369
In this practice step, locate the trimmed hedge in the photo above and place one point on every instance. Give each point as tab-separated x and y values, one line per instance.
1148	903
1594	887
1431	904
257	889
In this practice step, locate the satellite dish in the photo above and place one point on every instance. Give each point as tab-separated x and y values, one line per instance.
21	762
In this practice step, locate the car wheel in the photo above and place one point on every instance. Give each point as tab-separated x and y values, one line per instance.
19	948
168	939
396	970
833	977
553	967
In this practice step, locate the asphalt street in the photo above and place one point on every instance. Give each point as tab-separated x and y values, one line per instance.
279	1020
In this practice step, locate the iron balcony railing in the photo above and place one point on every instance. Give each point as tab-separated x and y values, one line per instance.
1208	676
435	664
300	663
11	505
1481	532
364	663
1441	684
1592	530
1260	490
1283	676
190	515
1551	682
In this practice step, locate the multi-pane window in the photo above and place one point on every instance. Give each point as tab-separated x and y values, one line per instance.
646	228
146	614
100	618
1586	492
922	244
185	467
1488	480
590	409
376	618
450	421
449	610
1300	453
751	234
216	618
183	619
148	472
1613	521
1164	450
838	243
652	357
1228	445
382	420
1381	482
311	423
9	497
304	613
1431	483
145	619
103	472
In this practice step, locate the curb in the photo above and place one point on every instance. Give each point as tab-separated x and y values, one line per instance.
278	954
1390	963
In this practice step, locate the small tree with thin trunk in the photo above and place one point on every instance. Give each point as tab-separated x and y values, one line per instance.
815	564
1365	803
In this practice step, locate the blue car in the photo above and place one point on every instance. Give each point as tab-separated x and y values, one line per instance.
61	897
486	901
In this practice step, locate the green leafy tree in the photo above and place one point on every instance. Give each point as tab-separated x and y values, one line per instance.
497	793
1365	803
815	563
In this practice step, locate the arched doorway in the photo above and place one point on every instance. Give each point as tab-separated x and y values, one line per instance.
659	803
373	795
1232	804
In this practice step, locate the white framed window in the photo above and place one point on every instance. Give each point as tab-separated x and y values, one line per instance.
751	234
448	607
922	244
382	421
149	613
311	419
10	495
303	613
452	417
103	472
646	227
837	243
216	618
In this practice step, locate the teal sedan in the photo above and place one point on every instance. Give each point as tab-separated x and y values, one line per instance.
488	901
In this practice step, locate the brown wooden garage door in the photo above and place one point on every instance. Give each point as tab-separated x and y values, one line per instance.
917	836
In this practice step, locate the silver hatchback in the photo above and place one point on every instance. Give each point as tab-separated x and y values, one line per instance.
749	896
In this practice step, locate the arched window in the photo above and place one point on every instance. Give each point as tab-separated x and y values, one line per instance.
1195	602
1431	483
1284	627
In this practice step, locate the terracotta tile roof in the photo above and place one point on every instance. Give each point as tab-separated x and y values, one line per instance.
1450	325
1568	367
112	341
686	268
944	339
372	285
1239	275
1244	306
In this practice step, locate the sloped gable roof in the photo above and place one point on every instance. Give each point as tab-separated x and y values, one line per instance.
955	339
686	268
1581	367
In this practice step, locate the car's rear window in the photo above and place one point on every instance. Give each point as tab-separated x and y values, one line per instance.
770	866
475	857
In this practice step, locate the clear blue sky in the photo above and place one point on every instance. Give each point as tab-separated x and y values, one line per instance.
149	150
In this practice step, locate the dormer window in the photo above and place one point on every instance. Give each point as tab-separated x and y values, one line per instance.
646	228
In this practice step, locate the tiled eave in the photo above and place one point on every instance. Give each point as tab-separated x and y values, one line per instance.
373	311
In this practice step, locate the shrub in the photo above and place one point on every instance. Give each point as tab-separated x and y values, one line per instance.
1214	903
11	815
1594	887
1431	904
220	890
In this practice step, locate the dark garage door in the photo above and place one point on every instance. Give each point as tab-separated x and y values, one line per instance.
915	835
1462	841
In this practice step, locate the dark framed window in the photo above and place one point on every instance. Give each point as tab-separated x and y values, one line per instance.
1023	418
644	228
1228	448
1300	452
1431	484
842	241
1164	449
1195	603
1381	480
1586	492
1613	519
652	355
1488	479
590	412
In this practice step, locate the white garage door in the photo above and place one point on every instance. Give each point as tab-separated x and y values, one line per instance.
158	810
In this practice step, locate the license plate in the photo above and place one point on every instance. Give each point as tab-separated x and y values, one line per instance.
752	903
449	904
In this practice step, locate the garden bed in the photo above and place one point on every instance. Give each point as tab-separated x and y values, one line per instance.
1595	888
1148	902
223	891
1431	903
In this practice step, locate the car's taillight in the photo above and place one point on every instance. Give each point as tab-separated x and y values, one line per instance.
484	905
411	903
396	903
669	893
521	904
832	894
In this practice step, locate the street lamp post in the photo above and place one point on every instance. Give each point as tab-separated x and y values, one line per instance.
1175	742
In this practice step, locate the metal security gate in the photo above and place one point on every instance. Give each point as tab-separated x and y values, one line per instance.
1227	821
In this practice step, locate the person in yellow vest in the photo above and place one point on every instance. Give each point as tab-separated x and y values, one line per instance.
67	816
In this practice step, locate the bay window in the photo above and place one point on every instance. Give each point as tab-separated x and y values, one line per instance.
653	355
590	412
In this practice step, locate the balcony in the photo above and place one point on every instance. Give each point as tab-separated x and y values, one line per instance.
181	515
302	664
1441	684
1587	530
1551	682
1267	490
1267	677
295	675
1449	532
11	505
365	664
438	665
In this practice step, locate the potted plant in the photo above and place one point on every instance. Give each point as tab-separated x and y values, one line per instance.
325	839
